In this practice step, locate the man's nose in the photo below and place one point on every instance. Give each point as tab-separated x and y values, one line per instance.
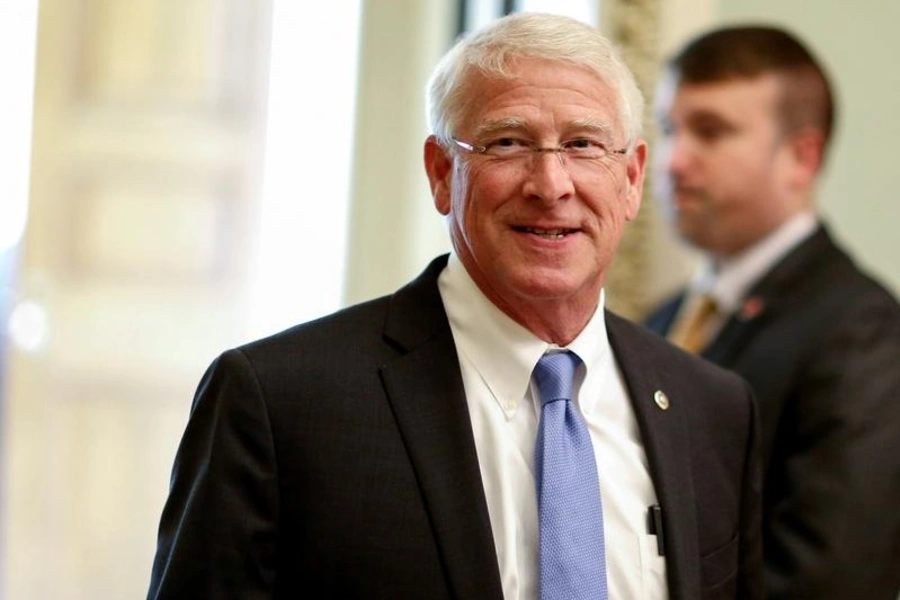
677	154
549	177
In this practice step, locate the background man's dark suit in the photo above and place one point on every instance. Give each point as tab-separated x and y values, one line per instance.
819	343
337	459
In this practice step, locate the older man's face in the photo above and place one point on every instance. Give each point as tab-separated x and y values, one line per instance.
543	228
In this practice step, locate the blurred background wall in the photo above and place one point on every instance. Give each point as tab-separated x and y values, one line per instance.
203	172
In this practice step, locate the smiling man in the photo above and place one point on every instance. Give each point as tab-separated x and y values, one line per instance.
489	431
747	114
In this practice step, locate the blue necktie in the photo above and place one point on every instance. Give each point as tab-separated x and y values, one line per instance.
572	554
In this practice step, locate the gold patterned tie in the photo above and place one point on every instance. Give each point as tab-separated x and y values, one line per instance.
691	330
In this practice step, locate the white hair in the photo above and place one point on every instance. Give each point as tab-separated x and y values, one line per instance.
530	35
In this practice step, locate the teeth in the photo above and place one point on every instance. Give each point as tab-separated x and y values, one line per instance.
550	234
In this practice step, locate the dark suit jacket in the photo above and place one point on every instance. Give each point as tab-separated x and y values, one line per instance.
823	357
337	460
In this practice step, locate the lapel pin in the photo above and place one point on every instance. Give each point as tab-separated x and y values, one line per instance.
752	308
662	401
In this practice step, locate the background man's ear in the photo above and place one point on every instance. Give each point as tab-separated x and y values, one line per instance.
808	150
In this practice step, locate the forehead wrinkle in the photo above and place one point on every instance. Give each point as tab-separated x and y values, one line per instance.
503	124
591	124
582	124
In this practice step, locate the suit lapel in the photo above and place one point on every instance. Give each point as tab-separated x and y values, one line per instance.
425	390
769	295
667	444
734	336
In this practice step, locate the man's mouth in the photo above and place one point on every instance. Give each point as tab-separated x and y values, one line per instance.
688	193
549	234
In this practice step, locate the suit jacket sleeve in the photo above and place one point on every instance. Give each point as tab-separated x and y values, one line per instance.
217	532
834	527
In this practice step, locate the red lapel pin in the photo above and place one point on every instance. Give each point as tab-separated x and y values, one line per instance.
752	307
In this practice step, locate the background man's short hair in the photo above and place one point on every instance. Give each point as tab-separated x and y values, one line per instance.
744	52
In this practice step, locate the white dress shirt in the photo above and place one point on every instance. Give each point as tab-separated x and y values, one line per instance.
497	357
727	281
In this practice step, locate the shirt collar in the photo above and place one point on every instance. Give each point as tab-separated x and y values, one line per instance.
729	280
503	352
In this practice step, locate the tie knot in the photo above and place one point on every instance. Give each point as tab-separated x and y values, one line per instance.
554	375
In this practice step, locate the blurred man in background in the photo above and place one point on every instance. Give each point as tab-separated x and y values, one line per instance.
746	115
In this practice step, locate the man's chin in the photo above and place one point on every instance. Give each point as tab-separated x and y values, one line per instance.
688	203
690	234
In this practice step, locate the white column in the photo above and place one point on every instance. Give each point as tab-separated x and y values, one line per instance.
394	227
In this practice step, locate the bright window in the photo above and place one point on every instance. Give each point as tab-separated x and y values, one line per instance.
476	13
301	255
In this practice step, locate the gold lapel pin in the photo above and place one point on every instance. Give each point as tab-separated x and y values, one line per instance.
662	401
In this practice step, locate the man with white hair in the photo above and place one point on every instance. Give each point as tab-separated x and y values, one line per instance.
488	431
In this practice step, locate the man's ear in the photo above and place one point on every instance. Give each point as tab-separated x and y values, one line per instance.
807	148
634	174
439	167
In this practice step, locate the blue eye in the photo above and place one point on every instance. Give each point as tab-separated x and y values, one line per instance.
508	146
584	148
508	142
582	144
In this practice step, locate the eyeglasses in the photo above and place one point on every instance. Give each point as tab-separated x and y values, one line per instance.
578	151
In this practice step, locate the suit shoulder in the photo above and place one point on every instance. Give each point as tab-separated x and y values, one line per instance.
876	294
353	321
342	338
836	295
660	318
